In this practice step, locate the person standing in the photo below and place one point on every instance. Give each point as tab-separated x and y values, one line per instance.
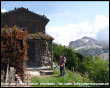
62	65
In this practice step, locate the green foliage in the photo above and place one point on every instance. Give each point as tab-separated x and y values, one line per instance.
80	56
71	58
40	35
57	51
97	68
80	59
87	64
101	70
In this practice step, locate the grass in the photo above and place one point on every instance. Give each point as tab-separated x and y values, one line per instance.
55	78
2	81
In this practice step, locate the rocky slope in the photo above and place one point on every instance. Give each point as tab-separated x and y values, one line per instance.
90	47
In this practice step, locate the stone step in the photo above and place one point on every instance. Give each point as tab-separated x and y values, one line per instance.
33	73
46	72
38	68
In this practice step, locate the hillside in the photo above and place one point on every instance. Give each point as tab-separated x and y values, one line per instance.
55	78
90	47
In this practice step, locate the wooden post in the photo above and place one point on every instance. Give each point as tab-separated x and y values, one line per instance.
12	75
72	69
52	55
86	74
7	72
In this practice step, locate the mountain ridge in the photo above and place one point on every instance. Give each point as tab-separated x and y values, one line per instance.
90	47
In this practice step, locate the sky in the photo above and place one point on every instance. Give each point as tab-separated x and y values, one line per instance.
69	20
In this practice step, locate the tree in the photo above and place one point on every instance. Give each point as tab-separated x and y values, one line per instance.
97	68
101	70
71	58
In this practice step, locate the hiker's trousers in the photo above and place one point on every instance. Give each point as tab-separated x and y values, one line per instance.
62	70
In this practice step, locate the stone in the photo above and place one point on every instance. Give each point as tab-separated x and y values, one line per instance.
46	72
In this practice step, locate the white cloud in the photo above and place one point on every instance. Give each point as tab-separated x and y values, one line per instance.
3	10
103	35
70	32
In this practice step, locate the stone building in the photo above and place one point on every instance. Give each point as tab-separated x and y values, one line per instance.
35	24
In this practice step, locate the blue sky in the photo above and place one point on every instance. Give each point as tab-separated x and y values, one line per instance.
67	15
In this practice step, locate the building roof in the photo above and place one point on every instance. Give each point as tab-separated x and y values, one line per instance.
24	9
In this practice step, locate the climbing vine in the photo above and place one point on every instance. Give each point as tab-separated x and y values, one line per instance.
14	49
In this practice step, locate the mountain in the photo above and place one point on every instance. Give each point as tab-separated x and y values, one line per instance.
90	47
